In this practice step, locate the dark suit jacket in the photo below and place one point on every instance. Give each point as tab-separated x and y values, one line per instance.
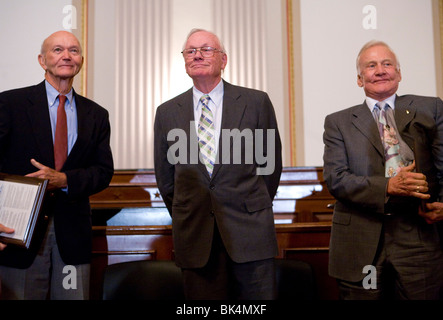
236	198
25	133
354	170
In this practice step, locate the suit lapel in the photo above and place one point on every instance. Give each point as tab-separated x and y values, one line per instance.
185	112
364	121
183	119
85	127
233	107
404	113
233	111
38	113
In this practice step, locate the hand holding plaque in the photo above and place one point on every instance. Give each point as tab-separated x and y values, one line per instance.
20	203
5	230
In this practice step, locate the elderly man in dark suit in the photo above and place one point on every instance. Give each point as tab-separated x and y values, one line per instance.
80	167
383	162
219	196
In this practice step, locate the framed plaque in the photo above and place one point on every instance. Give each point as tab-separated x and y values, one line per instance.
20	203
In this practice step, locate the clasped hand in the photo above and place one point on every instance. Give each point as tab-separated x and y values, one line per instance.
411	184
56	179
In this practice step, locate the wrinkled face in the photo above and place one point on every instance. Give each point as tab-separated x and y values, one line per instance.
61	57
199	67
379	75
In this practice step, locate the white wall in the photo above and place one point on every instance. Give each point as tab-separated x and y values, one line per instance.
102	77
332	34
24	24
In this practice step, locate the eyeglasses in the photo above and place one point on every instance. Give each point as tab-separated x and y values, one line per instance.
206	52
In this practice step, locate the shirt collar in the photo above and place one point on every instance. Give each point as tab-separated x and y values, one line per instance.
216	95
52	95
372	102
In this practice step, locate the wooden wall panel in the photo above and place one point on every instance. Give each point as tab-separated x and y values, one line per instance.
130	222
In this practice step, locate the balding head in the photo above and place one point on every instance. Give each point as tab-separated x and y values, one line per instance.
58	35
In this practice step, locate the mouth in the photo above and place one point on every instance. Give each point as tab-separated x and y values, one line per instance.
381	81
199	65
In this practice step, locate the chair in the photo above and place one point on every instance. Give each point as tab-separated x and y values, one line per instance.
295	280
162	280
143	280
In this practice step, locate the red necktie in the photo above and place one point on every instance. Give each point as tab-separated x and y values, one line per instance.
61	135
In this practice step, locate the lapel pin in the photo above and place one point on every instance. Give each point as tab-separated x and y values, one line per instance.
407	111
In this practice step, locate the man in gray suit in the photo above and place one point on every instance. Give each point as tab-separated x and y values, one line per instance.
222	218
384	241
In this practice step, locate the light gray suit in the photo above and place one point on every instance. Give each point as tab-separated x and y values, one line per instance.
236	199
354	170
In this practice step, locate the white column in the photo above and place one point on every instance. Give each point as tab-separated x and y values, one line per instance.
242	27
142	78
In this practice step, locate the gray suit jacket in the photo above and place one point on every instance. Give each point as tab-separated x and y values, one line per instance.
237	199
354	173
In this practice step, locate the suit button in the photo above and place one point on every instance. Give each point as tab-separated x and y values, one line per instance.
212	187
212	213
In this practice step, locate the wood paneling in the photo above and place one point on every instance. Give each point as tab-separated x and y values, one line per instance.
130	222
301	197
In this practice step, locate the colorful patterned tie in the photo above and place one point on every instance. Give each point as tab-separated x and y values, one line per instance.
61	135
393	159
206	135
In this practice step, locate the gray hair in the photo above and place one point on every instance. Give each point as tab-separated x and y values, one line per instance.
371	44
195	30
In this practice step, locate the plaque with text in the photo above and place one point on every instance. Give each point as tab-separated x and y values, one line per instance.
20	203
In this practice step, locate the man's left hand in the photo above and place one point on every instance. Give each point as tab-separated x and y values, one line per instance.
433	213
57	180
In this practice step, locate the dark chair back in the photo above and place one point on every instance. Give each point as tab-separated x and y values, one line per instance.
162	280
143	280
295	280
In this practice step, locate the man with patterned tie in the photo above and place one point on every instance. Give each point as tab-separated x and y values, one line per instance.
50	132
221	208
388	184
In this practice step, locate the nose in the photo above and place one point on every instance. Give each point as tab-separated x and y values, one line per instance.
380	69
66	55
198	54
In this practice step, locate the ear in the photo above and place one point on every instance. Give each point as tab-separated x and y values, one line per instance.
41	60
225	61
359	81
